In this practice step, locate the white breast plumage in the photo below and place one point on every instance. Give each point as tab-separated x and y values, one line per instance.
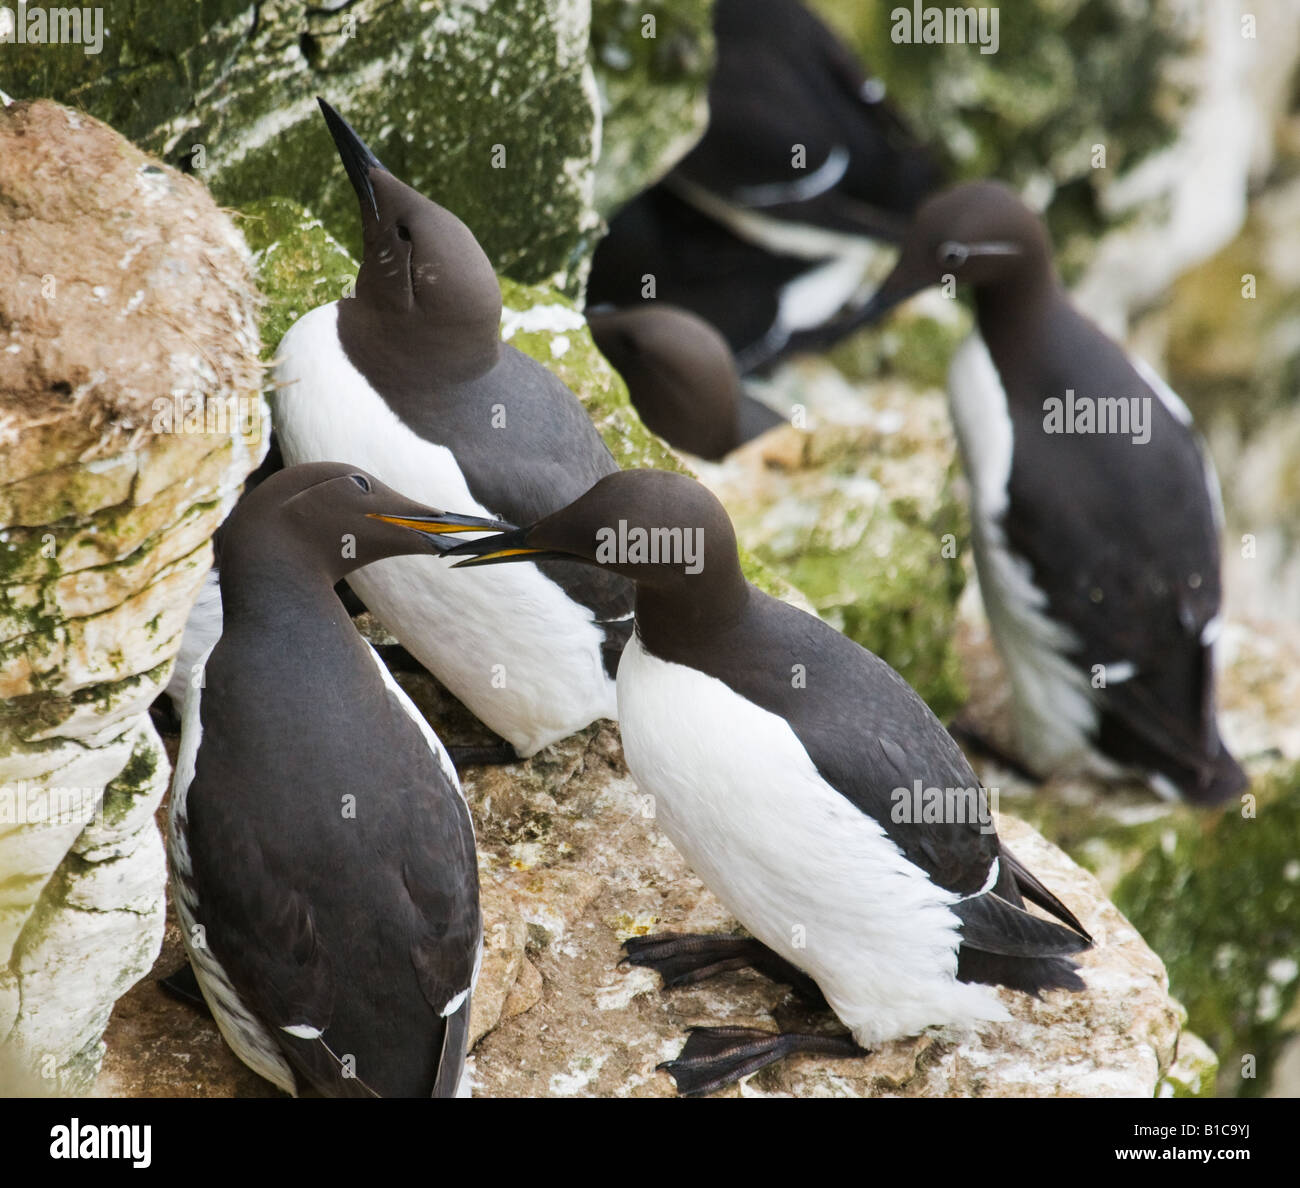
522	655
799	865
202	630
1056	716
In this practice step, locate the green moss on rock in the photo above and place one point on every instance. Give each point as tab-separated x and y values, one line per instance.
1219	900
486	107
300	265
1193	1071
652	60
1065	76
138	773
910	346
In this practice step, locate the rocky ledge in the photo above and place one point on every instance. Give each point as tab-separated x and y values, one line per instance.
571	866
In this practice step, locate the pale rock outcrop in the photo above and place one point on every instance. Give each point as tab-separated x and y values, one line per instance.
572	864
493	109
126	318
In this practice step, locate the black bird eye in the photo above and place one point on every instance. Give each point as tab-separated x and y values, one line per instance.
362	482
403	232
952	254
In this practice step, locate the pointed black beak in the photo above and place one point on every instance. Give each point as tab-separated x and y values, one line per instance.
358	160
442	524
497	550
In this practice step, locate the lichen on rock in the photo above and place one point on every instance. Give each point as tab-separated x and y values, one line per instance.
652	62
490	108
129	415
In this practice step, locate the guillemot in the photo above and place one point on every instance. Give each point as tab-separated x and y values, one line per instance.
1096	510
410	379
783	759
321	852
767	227
681	377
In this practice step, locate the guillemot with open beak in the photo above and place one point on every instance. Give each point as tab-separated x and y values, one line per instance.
410	379
321	852
783	759
1096	510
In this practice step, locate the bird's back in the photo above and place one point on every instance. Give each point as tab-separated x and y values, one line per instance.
330	847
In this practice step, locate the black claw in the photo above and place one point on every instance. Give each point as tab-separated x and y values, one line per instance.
682	959
715	1057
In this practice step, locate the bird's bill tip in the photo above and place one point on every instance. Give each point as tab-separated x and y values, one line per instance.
499	556
495	550
444	523
355	154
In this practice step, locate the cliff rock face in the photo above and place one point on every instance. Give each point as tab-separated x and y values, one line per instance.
129	415
490	108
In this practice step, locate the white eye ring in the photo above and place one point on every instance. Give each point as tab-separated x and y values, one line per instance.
361	481
952	252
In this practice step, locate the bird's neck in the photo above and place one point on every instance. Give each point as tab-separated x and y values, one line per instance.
1007	309
276	588
672	621
412	353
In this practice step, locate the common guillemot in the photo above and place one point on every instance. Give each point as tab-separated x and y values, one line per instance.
1096	510
681	377
767	227
410	379
783	759
321	852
